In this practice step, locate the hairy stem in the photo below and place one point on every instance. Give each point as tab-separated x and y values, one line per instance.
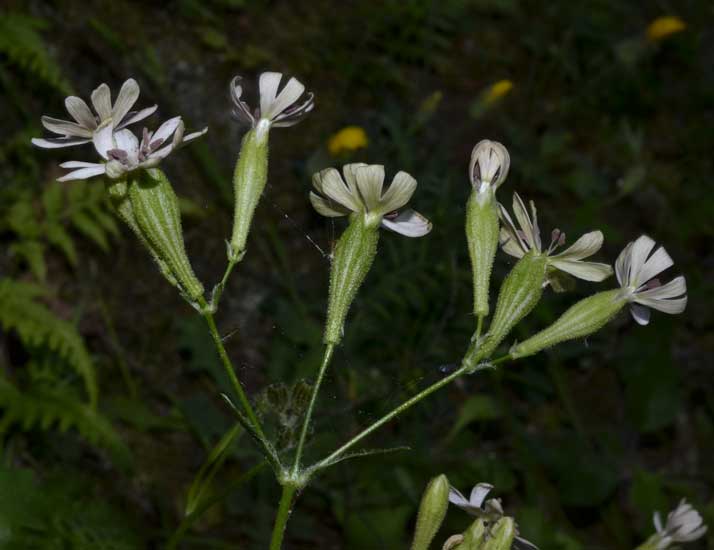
313	398
281	519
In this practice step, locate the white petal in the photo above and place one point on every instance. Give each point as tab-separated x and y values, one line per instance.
102	139
84	173
159	154
136	116
102	101
329	183
194	135
479	493
327	208
588	271
641	249
514	235
370	180
673	289
456	498
524	221
585	246
408	223
128	95
672	306
65	128
400	191
349	172
657	520
287	96
166	129
79	164
509	244
56	143
640	314
127	141
622	265
268	84
656	264
80	112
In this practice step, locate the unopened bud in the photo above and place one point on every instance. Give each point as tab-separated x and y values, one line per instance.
582	319
501	535
432	511
474	536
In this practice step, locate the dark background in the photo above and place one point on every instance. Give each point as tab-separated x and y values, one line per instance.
607	129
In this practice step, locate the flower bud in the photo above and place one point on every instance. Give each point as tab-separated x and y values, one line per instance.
351	261
249	179
582	319
501	535
474	536
119	199
432	511
156	210
482	231
520	292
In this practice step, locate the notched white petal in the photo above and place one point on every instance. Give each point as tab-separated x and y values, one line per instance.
408	223
399	192
327	208
102	101
640	314
331	185
585	246
128	95
587	271
370	179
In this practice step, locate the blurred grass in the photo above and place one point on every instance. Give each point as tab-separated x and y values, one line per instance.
607	129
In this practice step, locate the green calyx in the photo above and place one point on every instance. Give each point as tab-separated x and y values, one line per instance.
582	319
501	535
352	259
432	511
249	179
520	292
474	536
482	235
153	208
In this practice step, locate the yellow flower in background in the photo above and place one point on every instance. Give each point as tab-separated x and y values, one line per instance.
662	27
497	91
350	138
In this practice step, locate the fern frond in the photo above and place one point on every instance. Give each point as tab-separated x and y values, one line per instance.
38	327
58	408
22	44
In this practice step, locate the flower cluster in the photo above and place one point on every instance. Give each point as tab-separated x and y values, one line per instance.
119	148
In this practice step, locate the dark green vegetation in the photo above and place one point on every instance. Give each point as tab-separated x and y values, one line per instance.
109	382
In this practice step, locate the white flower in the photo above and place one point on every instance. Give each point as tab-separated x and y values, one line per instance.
277	109
489	166
518	242
635	269
491	510
684	524
124	152
363	193
87	123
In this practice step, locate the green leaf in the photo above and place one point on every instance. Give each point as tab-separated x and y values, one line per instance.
90	229
52	201
58	236
479	407
33	252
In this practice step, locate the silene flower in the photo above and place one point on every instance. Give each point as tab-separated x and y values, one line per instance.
636	269
519	241
490	510
684	524
361	192
285	108
88	124
123	152
489	166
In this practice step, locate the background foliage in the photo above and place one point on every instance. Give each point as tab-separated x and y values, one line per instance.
108	382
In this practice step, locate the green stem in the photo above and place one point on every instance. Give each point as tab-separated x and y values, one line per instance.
191	518
465	367
228	366
281	519
313	398
220	287
479	327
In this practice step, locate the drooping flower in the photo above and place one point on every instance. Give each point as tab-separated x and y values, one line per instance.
519	242
123	152
87	124
276	109
636	270
684	524
489	166
664	26
490	510
361	191
350	138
